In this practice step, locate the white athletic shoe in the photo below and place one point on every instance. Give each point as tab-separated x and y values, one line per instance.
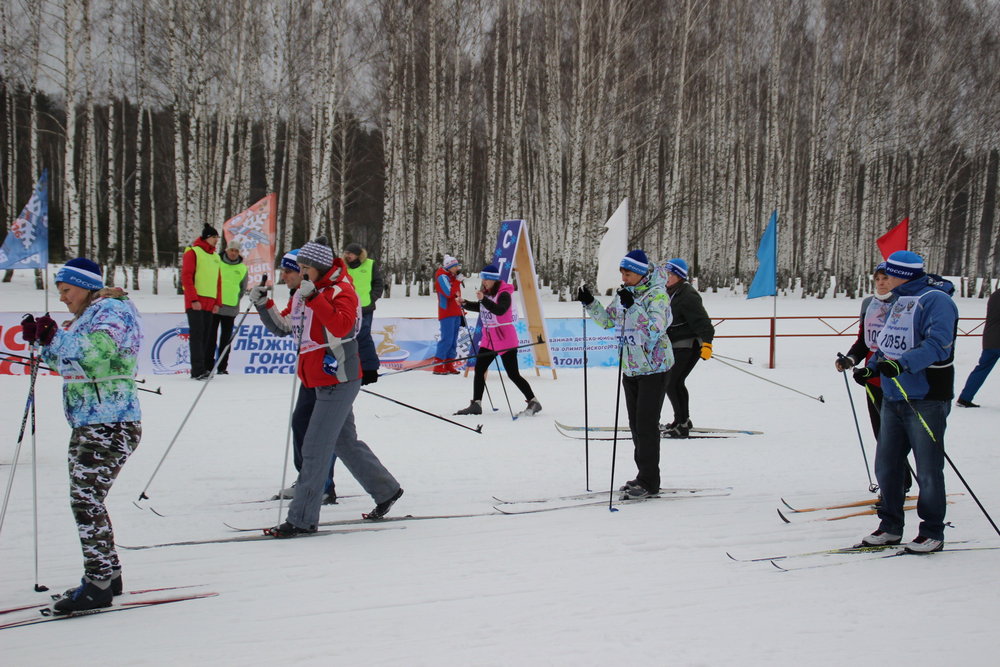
924	545
880	538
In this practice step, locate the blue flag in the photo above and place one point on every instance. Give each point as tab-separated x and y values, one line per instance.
765	282
27	242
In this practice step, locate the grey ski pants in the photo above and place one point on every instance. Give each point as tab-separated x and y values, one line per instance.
332	431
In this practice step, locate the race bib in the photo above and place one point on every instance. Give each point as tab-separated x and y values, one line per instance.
896	336
875	317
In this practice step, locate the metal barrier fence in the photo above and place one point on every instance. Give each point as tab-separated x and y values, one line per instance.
804	326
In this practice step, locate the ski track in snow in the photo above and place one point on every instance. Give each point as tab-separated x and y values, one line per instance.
581	586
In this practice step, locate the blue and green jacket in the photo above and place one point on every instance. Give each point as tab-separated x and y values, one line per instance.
646	346
97	356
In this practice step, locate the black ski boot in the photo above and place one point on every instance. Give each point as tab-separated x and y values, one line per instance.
85	597
287	530
383	508
474	409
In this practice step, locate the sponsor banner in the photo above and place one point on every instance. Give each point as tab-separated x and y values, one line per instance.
401	343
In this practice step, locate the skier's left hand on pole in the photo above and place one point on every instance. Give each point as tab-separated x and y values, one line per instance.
706	351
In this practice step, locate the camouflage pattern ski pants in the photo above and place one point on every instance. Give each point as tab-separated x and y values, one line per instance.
97	453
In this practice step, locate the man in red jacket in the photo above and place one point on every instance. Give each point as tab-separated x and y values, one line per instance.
325	318
202	282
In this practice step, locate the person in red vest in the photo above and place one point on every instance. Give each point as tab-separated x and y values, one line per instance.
448	288
201	278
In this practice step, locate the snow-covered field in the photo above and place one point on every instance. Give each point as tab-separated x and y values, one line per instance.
650	584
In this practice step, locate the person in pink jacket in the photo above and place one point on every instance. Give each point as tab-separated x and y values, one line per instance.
495	306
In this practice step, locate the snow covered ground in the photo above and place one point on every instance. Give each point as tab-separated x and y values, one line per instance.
650	584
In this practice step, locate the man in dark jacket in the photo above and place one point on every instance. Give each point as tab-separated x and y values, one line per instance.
691	334
991	352
368	283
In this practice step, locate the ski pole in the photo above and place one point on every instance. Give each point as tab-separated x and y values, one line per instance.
503	386
204	386
748	360
618	401
291	414
47	368
872	486
815	398
472	344
927	428
34	484
20	440
428	364
478	429
586	411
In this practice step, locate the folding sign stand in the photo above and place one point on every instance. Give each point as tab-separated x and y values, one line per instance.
513	253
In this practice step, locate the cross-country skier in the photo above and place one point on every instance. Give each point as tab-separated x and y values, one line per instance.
96	353
691	334
642	309
325	317
916	351
495	305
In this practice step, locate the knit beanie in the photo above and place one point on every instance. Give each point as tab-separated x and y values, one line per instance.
234	244
678	267
317	255
490	272
879	269
450	262
904	264
81	272
636	262
354	248
208	231
288	261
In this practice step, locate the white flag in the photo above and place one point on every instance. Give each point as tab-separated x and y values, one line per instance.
614	245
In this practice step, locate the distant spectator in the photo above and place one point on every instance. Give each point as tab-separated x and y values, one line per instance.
368	284
448	288
991	352
202	282
234	286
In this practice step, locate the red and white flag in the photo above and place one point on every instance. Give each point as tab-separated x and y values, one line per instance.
255	229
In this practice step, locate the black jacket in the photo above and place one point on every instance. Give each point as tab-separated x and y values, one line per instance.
689	317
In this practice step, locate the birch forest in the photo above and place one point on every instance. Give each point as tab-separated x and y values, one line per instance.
415	126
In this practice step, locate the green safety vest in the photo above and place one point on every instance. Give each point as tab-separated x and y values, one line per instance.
362	277
206	272
232	276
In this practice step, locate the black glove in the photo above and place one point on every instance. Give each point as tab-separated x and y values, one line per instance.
46	328
889	368
626	298
864	374
29	329
369	377
845	362
584	296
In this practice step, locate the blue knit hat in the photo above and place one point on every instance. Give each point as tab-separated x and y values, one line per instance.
450	262
636	262
290	261
881	267
904	264
490	272
81	272
678	267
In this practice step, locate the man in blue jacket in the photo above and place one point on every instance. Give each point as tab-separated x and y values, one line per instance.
916	350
